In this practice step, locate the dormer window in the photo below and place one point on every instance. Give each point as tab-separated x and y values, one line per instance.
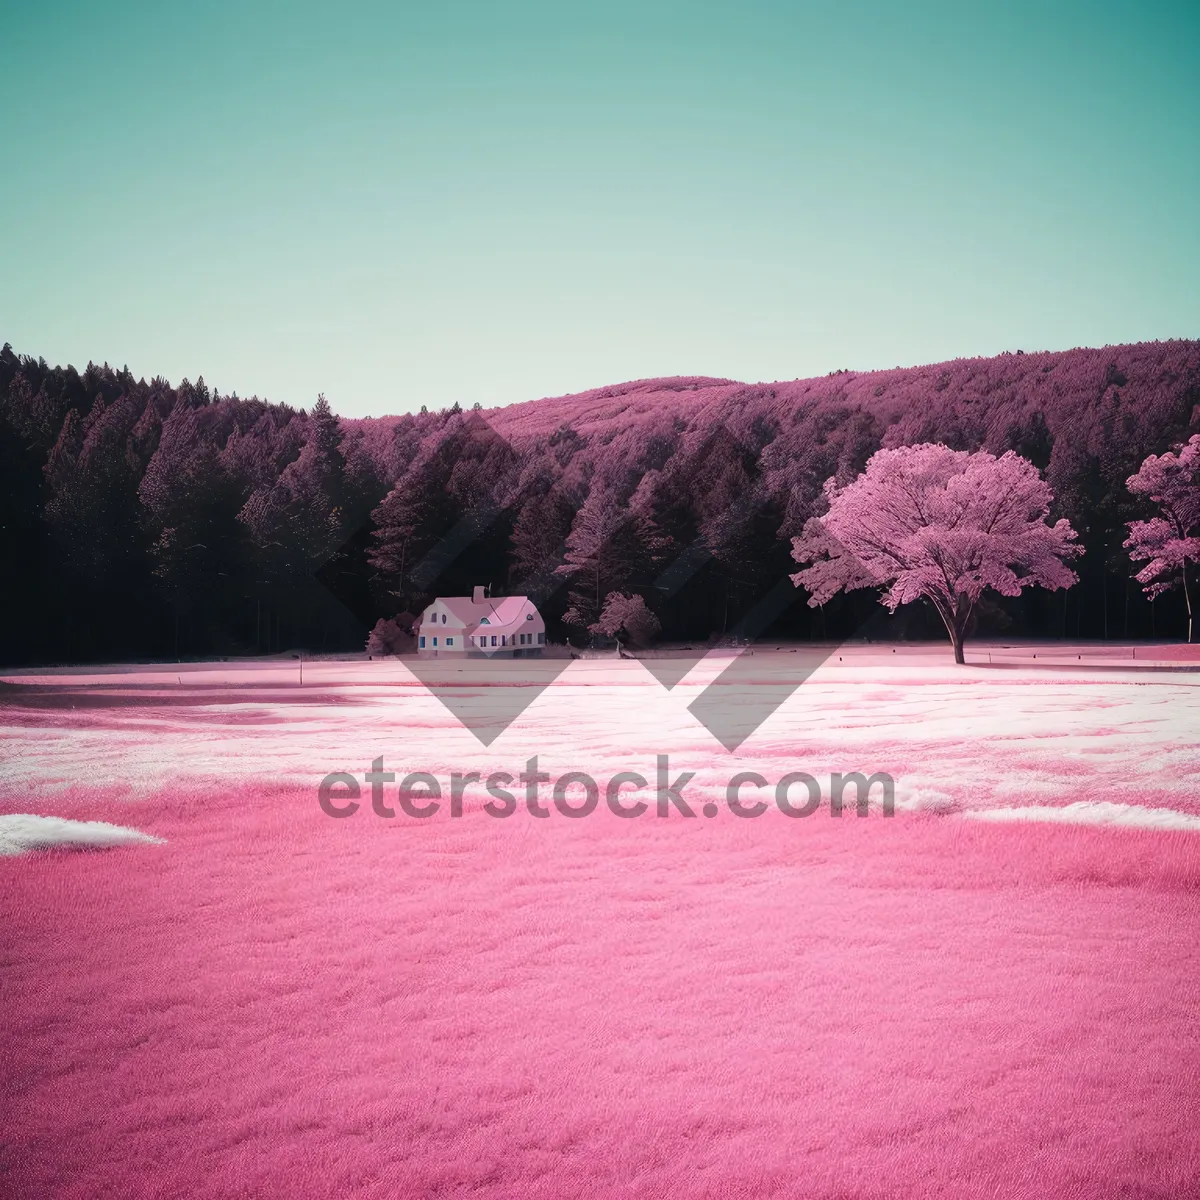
484	621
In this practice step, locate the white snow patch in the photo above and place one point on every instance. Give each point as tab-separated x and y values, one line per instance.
22	832
1092	812
928	800
974	737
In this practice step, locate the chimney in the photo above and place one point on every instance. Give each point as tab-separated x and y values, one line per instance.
477	595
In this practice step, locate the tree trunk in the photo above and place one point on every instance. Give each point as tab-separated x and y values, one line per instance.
1187	597
955	621
1104	584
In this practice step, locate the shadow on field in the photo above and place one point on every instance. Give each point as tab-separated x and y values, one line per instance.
41	696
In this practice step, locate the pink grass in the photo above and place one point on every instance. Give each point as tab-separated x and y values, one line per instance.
278	1004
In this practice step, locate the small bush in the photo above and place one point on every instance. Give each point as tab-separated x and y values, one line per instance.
390	637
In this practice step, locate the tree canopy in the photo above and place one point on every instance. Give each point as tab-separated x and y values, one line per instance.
140	518
1170	542
946	526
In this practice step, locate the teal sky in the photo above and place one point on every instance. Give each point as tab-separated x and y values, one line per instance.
404	204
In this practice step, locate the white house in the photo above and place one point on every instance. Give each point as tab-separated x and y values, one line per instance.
480	626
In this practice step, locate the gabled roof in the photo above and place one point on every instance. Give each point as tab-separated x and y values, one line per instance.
503	610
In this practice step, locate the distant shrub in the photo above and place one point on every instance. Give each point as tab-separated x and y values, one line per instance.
391	636
628	616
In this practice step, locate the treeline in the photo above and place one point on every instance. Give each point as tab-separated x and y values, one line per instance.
144	520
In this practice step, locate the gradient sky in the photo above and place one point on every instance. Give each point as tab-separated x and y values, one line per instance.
403	204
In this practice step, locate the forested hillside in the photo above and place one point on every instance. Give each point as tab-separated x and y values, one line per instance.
141	520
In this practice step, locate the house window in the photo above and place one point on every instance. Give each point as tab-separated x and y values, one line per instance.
503	640
493	639
484	621
435	641
541	639
443	618
449	641
422	641
529	616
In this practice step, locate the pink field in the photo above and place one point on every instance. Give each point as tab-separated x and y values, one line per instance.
273	1003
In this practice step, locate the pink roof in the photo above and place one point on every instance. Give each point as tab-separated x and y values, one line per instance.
503	610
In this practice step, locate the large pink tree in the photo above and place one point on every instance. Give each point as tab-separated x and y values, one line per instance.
1169	542
946	525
